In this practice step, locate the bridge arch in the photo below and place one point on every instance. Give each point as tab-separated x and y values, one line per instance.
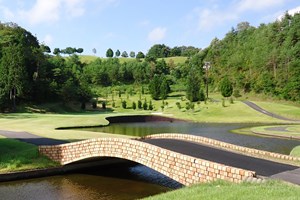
182	168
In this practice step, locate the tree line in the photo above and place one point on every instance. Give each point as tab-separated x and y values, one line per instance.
262	59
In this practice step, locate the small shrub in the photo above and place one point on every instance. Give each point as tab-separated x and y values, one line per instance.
192	106
140	104
145	105
133	105
236	93
162	108
178	105
150	105
187	106
104	105
124	104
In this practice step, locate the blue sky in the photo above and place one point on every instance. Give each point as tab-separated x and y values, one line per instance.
136	25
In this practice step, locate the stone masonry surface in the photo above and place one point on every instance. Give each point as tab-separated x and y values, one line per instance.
184	169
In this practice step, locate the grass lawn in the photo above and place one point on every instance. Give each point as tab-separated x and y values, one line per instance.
45	124
295	151
270	190
284	109
18	156
90	58
287	130
212	112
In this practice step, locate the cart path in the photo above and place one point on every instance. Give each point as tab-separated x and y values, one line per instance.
31	138
261	110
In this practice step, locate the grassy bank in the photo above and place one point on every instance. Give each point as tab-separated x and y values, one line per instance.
18	156
288	131
271	190
295	151
284	109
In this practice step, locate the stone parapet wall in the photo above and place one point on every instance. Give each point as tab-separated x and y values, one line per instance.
222	145
185	169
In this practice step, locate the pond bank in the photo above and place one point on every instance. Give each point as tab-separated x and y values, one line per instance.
39	173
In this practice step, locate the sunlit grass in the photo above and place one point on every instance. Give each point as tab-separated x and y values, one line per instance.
289	130
295	151
90	58
289	111
270	190
45	124
17	156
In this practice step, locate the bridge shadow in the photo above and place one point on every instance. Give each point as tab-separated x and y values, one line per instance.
123	169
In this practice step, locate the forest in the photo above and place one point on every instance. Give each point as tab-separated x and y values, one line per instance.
262	59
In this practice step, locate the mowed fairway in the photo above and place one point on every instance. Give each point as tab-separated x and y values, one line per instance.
45	125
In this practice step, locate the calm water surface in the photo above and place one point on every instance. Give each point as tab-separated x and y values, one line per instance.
212	130
117	183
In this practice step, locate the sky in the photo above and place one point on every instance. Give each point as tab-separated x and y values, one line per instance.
136	25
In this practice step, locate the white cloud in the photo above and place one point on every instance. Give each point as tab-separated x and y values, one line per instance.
246	5
291	12
294	11
43	11
75	8
50	11
157	34
209	18
7	14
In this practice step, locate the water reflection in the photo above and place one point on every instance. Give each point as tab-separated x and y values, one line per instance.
216	131
115	183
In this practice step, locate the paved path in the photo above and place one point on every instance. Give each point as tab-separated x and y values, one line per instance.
260	166
30	138
261	110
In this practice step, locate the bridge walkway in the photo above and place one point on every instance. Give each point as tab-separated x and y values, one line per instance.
260	166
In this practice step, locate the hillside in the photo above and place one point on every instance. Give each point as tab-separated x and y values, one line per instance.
90	58
262	60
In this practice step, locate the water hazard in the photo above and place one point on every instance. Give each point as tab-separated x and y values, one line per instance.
122	182
216	131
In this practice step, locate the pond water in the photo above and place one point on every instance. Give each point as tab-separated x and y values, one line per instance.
122	182
216	131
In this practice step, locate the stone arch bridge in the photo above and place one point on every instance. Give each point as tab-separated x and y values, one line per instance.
184	169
